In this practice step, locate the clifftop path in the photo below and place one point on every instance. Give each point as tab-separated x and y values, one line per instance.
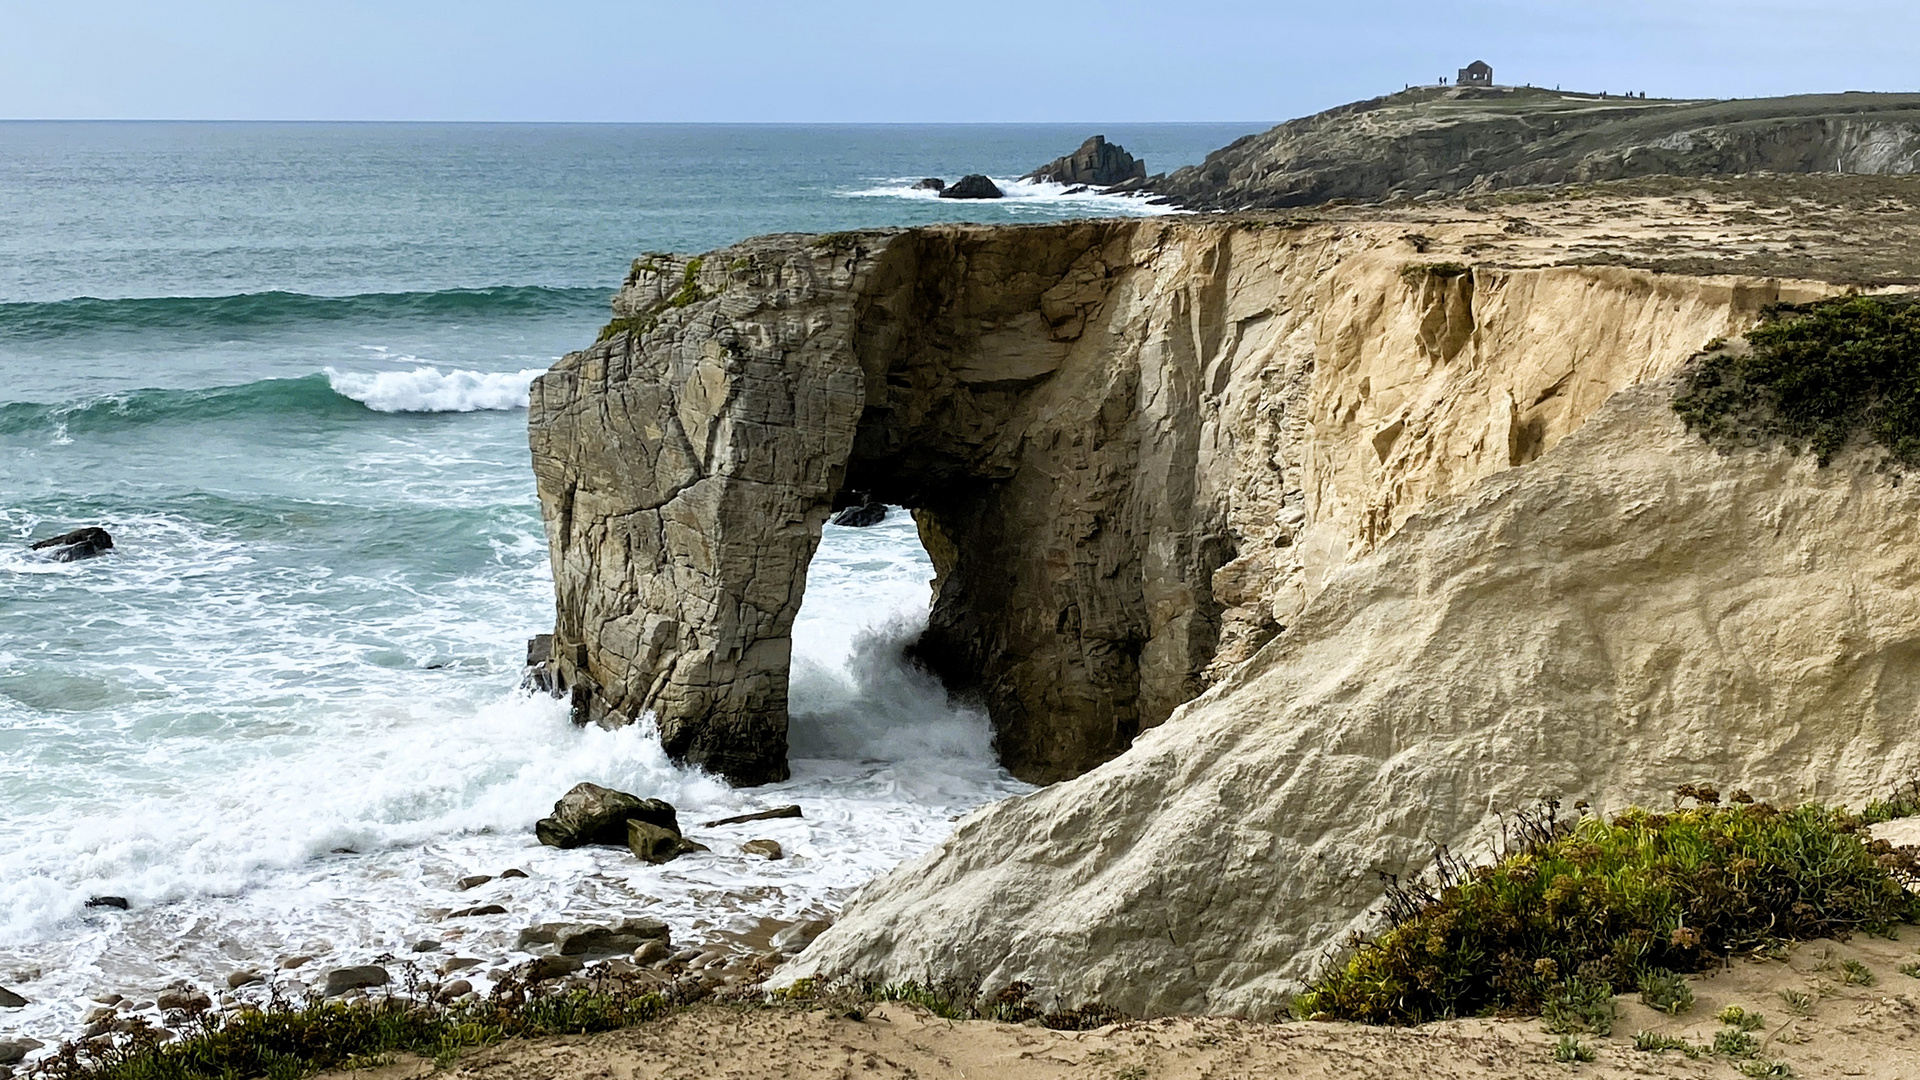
1469	139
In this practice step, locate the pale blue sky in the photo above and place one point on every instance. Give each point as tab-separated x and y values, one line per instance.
905	60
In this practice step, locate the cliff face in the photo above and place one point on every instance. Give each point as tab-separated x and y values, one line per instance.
1472	139
1136	450
1631	611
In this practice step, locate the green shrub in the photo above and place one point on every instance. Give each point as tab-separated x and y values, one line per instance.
285	1041
1815	376
1576	1006
1608	902
1663	990
1653	1042
1736	1017
1570	1049
1855	973
1798	1002
1732	1042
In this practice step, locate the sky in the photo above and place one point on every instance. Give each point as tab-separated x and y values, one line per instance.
968	61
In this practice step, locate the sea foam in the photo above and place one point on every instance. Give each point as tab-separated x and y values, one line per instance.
428	389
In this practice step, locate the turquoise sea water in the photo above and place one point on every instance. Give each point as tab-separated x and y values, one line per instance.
286	366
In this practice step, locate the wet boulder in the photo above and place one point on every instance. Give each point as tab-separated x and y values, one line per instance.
862	516
79	544
973	186
591	814
11	1000
931	183
651	843
341	980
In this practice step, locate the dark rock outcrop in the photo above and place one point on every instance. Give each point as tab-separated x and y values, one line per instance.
117	902
11	1000
1467	139
862	516
763	815
87	543
931	183
591	814
1098	163
973	186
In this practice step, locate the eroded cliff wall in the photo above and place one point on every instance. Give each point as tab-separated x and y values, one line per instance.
1136	450
1632	611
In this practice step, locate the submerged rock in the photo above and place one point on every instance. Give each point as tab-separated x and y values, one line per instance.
931	183
653	844
591	814
766	849
79	544
973	186
119	902
763	815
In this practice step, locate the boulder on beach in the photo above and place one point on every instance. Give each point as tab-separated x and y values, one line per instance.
973	186
931	183
591	814
13	1051
341	980
79	544
651	843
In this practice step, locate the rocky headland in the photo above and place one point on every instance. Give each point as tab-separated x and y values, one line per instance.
1289	547
1430	142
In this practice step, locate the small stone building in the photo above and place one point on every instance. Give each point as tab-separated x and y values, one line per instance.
1478	73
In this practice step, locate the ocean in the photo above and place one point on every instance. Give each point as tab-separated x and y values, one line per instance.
286	366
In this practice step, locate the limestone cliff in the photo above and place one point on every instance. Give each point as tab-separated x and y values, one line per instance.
1136	449
1446	140
1630	611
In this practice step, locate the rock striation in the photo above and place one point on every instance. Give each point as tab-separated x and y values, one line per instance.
1098	163
1631	611
1474	139
1134	449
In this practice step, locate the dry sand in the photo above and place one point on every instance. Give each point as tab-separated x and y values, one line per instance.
1850	1030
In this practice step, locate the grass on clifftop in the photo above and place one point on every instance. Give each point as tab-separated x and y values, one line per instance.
1577	912
1815	376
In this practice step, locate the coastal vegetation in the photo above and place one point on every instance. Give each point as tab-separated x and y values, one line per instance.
1576	911
1815	377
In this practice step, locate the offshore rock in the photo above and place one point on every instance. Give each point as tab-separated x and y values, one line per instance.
1134	450
863	516
88	543
1098	163
972	186
591	814
931	183
1631	611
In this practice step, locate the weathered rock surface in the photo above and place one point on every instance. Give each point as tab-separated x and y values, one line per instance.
1631	611
865	515
1469	139
13	1051
591	814
1098	163
765	849
1134	450
79	544
653	844
364	976
11	1000
972	186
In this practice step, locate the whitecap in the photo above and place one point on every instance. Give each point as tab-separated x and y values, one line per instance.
428	389
1027	196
